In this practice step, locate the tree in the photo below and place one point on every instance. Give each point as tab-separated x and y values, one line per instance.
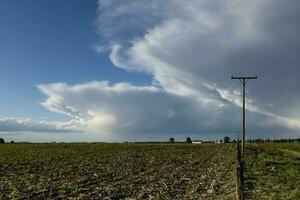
188	140
258	140
226	139
171	140
2	141
12	141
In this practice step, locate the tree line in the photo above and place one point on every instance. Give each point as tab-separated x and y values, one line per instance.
2	141
227	139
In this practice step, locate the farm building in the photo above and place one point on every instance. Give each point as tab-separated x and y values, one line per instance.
197	142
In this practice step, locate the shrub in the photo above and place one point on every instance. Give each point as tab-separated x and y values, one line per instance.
2	141
171	140
226	139
188	140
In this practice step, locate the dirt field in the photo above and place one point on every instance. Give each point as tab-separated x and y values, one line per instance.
117	171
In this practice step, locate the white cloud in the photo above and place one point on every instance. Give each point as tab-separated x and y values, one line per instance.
125	109
15	124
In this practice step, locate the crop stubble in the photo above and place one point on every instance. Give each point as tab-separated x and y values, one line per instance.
117	171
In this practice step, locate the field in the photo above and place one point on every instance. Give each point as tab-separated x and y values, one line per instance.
117	171
146	171
273	171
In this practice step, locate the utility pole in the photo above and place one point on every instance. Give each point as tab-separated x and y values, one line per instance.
244	80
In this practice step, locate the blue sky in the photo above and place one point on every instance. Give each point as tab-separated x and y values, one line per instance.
47	42
115	70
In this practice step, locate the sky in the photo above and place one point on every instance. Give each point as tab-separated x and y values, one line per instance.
136	70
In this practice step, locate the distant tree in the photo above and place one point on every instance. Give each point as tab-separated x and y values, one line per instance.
258	140
171	140
226	139
2	141
189	140
251	141
12	141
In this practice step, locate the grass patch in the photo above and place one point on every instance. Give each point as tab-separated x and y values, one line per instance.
273	171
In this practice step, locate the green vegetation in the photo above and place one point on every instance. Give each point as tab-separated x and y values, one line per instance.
171	140
189	140
273	171
226	139
117	171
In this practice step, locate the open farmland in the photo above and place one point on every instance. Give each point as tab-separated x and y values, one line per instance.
273	171
117	171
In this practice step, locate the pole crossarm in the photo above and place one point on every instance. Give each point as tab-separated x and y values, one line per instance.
244	77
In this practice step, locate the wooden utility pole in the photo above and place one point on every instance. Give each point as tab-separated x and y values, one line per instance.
239	173
244	80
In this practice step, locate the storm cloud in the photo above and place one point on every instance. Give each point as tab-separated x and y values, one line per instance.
190	49
214	40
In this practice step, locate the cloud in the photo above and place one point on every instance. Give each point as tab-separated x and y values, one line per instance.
124	109
190	49
197	45
15	124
